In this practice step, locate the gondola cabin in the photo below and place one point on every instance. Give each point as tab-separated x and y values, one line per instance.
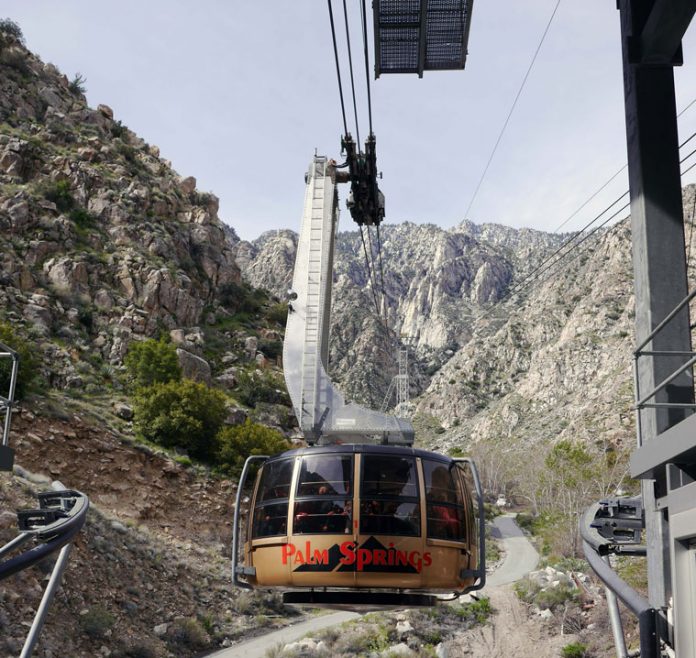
362	525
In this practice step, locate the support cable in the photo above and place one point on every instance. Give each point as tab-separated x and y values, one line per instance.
338	68
522	285
350	66
564	244
562	224
381	267
363	13
584	228
512	109
369	271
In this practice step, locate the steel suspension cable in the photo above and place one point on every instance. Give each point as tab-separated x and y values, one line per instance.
350	66
562	224
338	68
511	293
370	272
363	13
512	109
525	282
584	228
565	243
381	268
519	287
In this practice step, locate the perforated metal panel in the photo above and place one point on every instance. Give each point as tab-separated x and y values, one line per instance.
412	36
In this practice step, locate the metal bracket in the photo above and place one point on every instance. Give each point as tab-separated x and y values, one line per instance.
620	520
6	458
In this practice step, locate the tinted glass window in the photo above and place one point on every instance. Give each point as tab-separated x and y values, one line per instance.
275	480
326	475
445	505
324	495
271	520
271	512
389	502
385	475
323	516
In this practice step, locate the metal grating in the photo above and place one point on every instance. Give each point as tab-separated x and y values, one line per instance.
412	36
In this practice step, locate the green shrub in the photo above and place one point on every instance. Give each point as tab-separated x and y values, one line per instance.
278	313
59	193
96	622
180	414
272	349
241	297
28	364
240	441
574	650
117	129
545	599
188	632
81	218
260	388
77	84
477	611
151	362
10	33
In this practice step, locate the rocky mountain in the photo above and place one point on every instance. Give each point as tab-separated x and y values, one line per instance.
101	240
436	282
102	243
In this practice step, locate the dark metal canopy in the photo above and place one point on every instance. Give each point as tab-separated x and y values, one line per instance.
412	36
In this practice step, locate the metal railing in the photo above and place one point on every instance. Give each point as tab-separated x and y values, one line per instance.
6	405
53	527
640	351
597	550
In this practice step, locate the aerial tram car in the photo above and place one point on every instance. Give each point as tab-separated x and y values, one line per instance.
359	518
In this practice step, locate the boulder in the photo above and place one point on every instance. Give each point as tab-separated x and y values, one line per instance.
188	185
235	416
106	111
194	367
122	410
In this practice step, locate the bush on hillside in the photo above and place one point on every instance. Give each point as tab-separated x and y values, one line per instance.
237	443
152	362
180	414
28	364
60	194
252	389
10	33
241	297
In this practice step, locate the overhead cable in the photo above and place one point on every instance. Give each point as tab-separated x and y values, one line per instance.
350	66
512	109
338	68
529	279
363	13
590	223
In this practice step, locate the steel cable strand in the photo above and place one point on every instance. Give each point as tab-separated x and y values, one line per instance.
350	65
512	109
338	68
367	64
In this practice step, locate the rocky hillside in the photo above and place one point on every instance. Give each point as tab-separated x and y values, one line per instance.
436	282
102	244
101	239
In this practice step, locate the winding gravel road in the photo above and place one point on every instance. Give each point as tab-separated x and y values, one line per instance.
520	559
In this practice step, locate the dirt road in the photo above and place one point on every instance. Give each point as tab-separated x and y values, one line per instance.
510	631
258	647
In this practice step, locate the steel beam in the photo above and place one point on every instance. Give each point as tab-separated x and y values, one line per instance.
659	260
660	38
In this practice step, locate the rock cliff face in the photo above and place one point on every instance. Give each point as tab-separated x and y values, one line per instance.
436	282
552	362
101	240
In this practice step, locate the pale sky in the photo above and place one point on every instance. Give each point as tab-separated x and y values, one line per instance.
240	94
